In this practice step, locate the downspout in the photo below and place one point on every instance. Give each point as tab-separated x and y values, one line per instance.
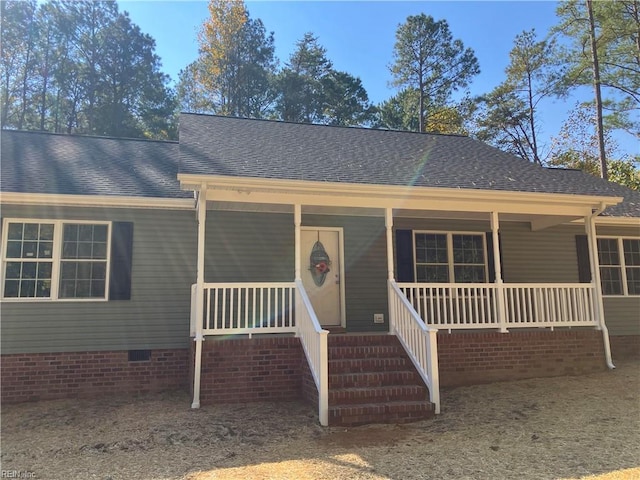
595	268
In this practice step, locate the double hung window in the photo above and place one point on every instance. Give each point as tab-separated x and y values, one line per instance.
444	257
619	260
55	259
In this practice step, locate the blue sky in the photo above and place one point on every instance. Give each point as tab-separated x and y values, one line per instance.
359	35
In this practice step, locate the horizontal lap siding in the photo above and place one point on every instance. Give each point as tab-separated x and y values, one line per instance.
249	247
157	316
545	256
259	247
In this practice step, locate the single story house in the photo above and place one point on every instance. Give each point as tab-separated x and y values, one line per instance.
261	260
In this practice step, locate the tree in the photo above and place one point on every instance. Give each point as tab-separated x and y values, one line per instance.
346	102
310	90
233	74
300	82
17	59
427	59
604	53
577	147
81	66
509	114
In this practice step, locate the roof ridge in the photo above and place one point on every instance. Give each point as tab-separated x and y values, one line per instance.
351	127
83	135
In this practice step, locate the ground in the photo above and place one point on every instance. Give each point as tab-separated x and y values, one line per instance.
553	428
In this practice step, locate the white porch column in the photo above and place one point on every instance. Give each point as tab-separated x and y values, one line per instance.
388	222
497	267
596	285
297	222
199	338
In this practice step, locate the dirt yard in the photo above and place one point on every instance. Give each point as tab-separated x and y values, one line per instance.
560	428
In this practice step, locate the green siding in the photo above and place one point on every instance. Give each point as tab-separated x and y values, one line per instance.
545	256
249	247
157	316
259	247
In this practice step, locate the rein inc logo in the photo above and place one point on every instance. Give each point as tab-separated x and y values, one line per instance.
17	474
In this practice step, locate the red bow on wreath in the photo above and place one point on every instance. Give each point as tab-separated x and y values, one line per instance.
322	267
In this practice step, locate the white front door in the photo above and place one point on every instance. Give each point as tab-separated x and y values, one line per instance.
322	272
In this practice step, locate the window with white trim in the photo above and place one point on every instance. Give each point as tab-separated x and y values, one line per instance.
445	257
55	259
619	260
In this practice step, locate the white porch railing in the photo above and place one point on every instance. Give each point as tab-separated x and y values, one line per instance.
314	343
248	308
478	305
418	340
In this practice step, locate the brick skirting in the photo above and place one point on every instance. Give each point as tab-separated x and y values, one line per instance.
246	370
468	358
48	376
623	347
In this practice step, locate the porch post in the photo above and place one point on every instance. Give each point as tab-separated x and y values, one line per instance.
297	222
199	338
596	286
388	222
502	309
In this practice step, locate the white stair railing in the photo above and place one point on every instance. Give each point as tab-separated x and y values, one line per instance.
314	343
419	341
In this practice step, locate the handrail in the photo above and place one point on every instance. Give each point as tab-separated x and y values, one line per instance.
314	343
419	341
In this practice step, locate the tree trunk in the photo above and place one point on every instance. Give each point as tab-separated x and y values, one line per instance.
596	87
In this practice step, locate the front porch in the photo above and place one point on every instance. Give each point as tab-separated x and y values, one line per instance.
377	291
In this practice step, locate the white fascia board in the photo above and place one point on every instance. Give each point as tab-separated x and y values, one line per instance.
279	191
161	203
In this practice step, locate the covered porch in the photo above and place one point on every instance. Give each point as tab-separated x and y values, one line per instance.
414	309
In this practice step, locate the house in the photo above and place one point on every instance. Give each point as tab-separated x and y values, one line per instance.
264	260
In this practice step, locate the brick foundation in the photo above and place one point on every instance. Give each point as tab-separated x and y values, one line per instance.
468	358
623	347
246	370
48	376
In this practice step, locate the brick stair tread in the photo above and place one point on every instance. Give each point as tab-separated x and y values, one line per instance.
371	364
373	379
365	351
386	412
355	340
362	395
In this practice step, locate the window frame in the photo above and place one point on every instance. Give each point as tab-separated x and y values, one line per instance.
622	266
450	263
56	259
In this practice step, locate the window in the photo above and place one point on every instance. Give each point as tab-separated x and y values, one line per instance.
450	257
53	259
619	260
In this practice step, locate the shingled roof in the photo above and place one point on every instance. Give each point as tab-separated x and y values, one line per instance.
35	162
215	145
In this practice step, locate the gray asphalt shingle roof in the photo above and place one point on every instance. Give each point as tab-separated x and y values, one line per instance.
35	162
215	145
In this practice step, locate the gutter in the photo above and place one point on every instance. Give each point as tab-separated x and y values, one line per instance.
598	286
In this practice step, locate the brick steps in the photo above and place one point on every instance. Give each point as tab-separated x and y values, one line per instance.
371	380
